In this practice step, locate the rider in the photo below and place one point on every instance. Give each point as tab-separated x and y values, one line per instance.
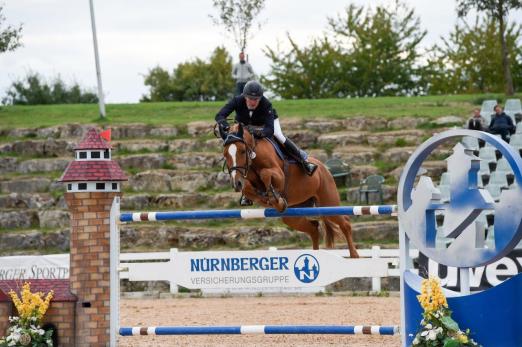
252	108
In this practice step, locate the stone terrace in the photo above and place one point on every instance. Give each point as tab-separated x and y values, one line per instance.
181	168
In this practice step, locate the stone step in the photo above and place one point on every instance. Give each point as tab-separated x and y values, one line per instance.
392	137
162	181
77	131
179	201
30	200
142	162
40	148
27	218
175	145
355	154
26	185
16	165
191	236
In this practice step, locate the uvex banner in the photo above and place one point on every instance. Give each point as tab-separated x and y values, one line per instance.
481	278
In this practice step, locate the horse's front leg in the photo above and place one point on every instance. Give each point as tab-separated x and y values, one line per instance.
253	194
274	181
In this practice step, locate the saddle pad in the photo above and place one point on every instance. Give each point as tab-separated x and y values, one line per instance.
280	151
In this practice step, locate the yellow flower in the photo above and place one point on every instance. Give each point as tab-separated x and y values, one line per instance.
431	297
463	338
31	304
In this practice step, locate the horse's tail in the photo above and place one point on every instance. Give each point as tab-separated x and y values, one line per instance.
329	233
328	196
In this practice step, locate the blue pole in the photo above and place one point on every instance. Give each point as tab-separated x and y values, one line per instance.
260	329
260	213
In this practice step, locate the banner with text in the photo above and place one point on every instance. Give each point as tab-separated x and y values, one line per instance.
481	278
257	269
53	266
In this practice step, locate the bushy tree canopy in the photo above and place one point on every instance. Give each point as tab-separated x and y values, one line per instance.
367	52
310	72
469	60
195	80
382	46
35	90
498	11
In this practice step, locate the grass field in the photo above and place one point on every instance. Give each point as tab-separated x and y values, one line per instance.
178	113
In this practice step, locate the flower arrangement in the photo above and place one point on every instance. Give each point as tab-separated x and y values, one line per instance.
438	328
25	330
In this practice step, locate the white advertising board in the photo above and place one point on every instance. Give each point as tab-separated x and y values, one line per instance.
257	270
54	266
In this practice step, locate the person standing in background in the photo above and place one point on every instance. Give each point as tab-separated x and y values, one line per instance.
242	72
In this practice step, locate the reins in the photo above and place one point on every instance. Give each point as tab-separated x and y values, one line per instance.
250	154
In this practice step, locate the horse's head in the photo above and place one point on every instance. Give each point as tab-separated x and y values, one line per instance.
238	153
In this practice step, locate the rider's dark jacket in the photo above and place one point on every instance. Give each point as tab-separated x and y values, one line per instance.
263	115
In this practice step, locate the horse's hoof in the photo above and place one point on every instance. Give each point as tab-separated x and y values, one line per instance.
284	205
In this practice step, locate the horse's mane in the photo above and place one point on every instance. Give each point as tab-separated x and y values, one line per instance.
240	132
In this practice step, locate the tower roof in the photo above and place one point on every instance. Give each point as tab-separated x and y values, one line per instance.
93	170
59	286
93	140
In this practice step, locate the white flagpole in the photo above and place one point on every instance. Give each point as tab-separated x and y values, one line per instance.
101	101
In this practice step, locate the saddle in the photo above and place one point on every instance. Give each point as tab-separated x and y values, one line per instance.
280	150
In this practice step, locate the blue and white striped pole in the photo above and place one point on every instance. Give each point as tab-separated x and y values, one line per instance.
262	329
260	213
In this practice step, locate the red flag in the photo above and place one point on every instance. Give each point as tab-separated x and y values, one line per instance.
106	135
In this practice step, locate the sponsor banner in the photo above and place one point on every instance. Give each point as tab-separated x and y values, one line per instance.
249	291
481	278
257	269
54	266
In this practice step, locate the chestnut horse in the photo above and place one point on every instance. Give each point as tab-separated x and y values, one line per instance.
263	177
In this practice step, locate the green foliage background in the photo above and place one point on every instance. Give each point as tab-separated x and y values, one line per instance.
195	80
34	90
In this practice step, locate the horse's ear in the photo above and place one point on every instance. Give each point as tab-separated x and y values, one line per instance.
240	131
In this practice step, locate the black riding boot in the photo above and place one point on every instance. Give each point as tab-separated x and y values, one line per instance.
300	156
244	201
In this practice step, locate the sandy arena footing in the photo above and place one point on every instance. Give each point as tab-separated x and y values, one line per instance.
273	310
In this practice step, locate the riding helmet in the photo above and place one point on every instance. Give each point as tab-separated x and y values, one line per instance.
253	90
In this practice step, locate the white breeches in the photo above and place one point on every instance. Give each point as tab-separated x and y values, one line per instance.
278	133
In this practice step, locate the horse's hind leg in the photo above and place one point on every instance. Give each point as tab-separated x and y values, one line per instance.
311	227
344	224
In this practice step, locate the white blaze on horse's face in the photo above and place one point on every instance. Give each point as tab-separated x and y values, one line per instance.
232	150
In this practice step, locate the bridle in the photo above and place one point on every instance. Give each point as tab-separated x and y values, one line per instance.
250	154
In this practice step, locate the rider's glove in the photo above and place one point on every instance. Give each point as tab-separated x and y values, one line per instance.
258	133
224	126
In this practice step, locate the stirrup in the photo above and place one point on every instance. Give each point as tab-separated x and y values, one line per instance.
244	201
309	168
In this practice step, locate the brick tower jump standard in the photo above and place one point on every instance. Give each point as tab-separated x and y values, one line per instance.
92	181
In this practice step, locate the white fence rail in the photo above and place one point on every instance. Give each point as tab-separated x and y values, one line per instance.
183	268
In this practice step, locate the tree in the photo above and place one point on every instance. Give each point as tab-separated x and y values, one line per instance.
237	16
382	45
468	60
365	53
9	36
305	73
498	9
159	83
34	90
194	80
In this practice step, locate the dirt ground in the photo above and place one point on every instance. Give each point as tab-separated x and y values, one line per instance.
335	310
